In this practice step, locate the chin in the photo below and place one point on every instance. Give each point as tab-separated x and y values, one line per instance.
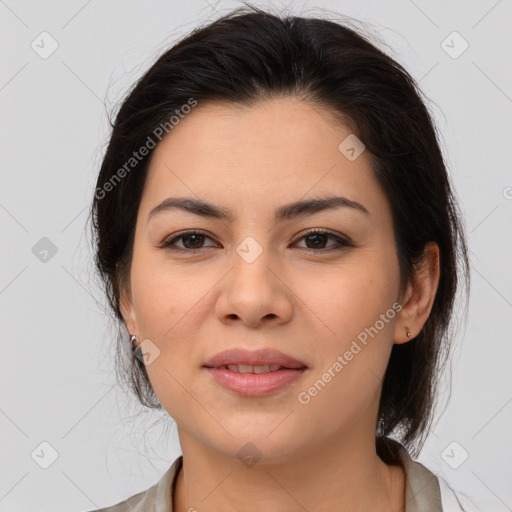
267	445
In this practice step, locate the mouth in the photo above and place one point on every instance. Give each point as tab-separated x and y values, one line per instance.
254	373
253	361
247	368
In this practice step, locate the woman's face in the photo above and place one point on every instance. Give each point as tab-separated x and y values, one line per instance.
255	281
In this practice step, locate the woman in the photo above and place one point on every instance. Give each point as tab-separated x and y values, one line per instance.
277	233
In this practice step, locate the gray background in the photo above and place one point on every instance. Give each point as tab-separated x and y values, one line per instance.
57	383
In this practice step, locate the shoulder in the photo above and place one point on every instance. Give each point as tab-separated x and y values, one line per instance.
141	502
425	490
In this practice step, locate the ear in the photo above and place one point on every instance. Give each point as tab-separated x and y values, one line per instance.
128	311
419	297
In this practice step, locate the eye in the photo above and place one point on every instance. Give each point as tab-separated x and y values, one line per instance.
318	238
192	241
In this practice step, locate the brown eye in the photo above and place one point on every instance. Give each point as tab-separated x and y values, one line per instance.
316	241
191	241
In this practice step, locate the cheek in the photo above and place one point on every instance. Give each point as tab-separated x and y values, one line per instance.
352	359
355	305
171	305
164	296
351	297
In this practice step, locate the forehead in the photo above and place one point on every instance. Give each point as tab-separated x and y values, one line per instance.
285	128
266	153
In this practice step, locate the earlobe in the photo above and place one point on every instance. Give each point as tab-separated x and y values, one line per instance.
420	296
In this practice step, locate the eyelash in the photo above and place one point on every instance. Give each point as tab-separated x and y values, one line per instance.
343	243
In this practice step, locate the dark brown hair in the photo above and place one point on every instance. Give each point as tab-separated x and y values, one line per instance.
251	55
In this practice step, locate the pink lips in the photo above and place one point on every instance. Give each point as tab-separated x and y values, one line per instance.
253	357
254	384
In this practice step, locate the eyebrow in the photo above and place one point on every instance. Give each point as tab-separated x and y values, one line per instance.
285	212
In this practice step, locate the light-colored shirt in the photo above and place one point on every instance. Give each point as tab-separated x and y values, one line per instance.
422	491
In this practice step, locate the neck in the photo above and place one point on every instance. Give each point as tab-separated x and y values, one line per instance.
343	473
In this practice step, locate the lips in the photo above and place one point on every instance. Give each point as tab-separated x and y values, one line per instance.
254	373
253	361
247	368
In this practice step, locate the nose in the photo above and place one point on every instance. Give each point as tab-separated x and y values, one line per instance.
255	293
